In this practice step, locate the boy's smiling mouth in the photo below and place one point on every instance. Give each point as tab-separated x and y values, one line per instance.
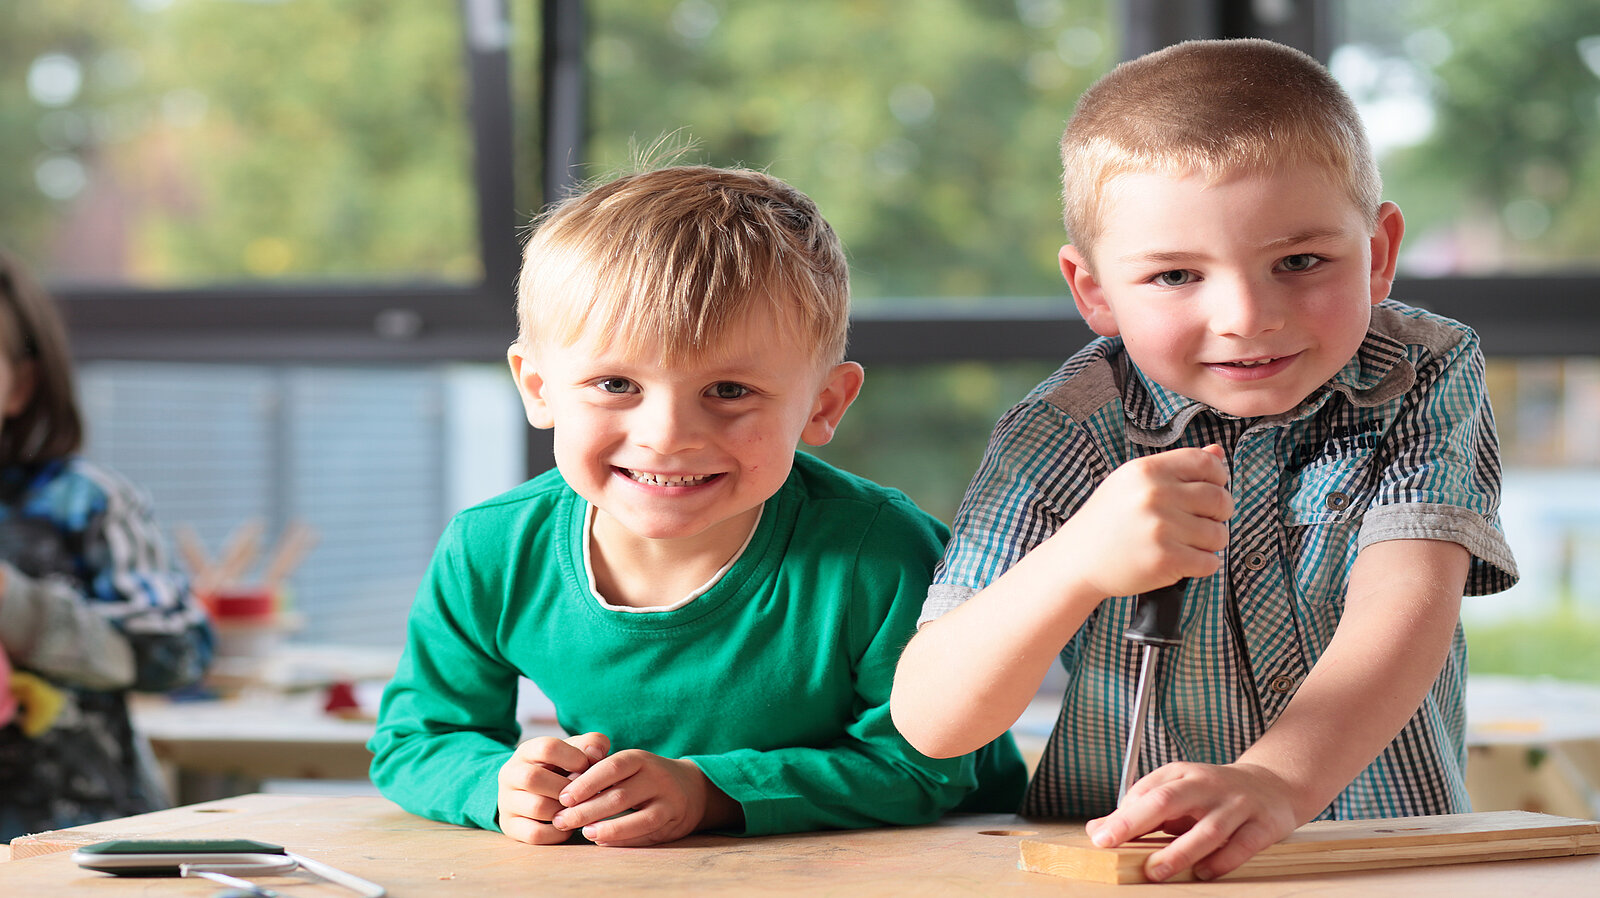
1258	368
1260	361
669	480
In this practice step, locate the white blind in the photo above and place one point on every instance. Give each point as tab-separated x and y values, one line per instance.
370	457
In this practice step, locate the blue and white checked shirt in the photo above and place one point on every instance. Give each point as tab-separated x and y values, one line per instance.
1400	444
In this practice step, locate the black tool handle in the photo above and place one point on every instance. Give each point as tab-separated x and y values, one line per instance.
1156	614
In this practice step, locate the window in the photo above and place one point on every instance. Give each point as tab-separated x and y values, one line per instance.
160	143
283	235
928	140
1488	127
274	255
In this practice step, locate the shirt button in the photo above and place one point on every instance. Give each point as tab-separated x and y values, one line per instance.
1337	501
1282	684
1255	561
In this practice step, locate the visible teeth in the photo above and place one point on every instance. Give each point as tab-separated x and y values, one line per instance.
668	479
1254	364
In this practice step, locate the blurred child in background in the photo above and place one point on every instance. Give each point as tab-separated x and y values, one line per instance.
91	604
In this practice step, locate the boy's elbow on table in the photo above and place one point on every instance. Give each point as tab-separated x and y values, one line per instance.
929	732
928	740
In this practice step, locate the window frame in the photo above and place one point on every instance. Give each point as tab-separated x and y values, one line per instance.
364	322
1551	315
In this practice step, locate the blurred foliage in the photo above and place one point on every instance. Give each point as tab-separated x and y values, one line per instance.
928	139
170	142
1563	643
1508	177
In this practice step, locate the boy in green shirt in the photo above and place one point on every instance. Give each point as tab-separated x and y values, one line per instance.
715	617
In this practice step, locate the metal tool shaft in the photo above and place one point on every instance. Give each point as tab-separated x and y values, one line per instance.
1156	625
1141	711
243	886
338	877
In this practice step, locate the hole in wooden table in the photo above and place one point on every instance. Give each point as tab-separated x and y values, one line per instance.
1008	832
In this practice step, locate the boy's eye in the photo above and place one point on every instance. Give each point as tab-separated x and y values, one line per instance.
1176	278
729	390
1299	262
617	385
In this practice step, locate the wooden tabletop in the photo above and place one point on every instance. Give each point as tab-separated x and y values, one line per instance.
965	855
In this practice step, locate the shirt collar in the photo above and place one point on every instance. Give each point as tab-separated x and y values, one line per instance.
1157	416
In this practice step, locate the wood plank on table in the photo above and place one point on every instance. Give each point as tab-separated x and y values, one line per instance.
372	838
960	857
1342	845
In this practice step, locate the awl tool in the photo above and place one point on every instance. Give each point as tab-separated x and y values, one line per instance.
1155	626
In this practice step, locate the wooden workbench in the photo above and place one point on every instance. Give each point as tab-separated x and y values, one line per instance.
971	855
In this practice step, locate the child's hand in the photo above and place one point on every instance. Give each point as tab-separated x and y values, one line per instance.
669	799
532	781
1152	522
1221	815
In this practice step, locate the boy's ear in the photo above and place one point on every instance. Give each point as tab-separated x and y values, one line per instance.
1086	292
530	386
1386	249
21	391
840	389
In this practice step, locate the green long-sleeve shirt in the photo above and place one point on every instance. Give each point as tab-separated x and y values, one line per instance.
775	681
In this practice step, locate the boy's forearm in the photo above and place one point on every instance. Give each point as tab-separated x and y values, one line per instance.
1400	617
946	703
966	677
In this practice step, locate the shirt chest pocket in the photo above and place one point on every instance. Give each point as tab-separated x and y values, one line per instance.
1331	492
1322	508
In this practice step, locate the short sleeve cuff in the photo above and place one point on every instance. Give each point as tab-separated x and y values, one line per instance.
1493	568
942	599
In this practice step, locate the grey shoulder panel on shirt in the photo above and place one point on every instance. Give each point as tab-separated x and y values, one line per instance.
1418	327
1086	391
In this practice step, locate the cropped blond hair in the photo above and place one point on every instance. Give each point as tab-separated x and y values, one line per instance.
662	262
1213	109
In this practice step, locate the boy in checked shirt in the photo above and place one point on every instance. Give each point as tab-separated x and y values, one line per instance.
1258	416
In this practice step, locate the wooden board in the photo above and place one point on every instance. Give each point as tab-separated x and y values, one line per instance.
960	857
1338	845
157	824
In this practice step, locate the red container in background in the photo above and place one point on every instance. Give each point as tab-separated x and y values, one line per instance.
241	606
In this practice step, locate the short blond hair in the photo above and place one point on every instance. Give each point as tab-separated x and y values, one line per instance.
1211	108
664	261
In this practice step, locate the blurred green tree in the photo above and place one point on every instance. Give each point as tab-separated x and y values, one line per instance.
1507	178
215	142
928	139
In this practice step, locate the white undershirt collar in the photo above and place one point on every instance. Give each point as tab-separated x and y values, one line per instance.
594	590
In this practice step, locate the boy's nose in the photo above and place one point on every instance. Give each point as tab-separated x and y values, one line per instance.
1245	309
666	426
